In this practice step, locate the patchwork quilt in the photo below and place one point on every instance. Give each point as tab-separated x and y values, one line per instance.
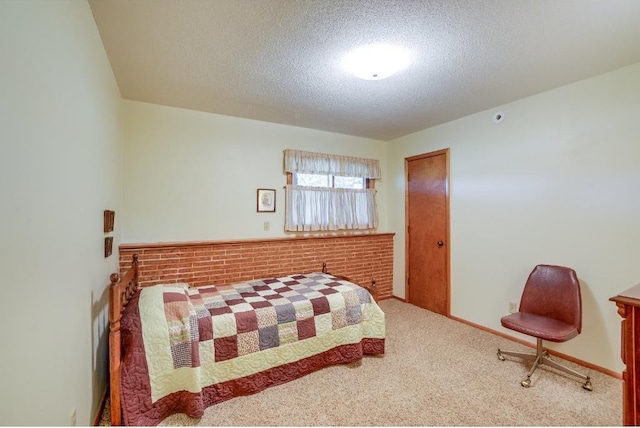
188	348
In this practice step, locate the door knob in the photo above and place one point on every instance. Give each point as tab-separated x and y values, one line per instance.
440	243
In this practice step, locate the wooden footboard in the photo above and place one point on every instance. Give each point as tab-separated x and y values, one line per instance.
371	288
120	291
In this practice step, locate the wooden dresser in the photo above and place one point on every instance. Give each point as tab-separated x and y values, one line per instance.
628	303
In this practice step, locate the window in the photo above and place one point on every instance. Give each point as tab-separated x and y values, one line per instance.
321	180
330	192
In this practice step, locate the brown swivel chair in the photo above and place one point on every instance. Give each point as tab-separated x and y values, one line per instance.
550	309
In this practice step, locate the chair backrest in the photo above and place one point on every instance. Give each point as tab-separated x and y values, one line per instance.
553	292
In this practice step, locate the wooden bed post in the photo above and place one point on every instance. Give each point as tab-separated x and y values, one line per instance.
120	291
374	289
115	352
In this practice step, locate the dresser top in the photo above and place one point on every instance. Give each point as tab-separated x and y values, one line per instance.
630	296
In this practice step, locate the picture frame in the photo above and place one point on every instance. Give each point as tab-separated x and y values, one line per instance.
266	200
108	246
109	220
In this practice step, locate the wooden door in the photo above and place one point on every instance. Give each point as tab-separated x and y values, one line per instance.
427	235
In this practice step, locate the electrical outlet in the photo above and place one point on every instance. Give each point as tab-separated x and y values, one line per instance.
266	226
74	417
513	307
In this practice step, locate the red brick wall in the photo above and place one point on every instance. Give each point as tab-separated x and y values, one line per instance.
358	257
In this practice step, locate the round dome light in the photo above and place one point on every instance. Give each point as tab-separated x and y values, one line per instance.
375	62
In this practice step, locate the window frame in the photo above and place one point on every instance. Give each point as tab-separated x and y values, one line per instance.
369	183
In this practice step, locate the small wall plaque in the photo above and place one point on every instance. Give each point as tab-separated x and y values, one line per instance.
109	219
108	246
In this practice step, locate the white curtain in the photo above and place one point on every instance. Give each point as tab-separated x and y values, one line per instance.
322	208
298	161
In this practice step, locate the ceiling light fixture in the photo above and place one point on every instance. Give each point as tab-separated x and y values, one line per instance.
377	61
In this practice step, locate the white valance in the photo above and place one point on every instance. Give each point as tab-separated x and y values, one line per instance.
298	161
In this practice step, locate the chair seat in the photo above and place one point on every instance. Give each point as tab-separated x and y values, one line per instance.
538	326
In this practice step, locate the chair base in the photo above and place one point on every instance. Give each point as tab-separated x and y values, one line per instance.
542	357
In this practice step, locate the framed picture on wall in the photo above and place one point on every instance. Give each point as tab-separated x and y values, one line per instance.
266	200
108	246
109	219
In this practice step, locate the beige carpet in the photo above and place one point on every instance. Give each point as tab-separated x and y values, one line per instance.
435	372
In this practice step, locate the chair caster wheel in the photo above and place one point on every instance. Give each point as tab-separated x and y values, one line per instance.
500	356
526	383
587	385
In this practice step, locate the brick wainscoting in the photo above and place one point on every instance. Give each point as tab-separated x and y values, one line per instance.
358	257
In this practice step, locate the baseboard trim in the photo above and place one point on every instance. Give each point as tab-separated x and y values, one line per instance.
103	402
533	346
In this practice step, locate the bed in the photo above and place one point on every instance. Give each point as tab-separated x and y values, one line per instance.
180	349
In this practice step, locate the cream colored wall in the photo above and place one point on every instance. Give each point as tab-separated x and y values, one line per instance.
60	154
558	182
192	176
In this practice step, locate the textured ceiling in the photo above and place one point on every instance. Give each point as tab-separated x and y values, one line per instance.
279	60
